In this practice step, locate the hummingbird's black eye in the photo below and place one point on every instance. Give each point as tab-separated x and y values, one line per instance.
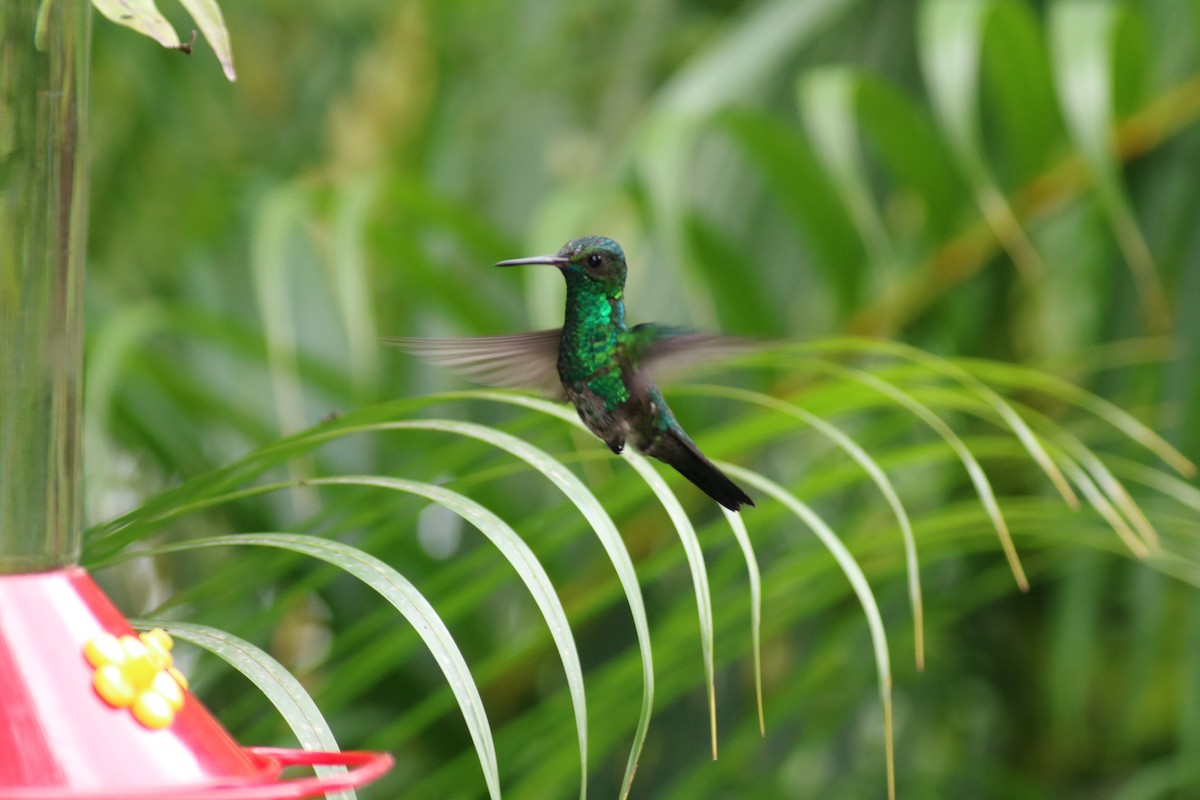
594	260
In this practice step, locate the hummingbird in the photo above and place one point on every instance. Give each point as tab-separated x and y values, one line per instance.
598	363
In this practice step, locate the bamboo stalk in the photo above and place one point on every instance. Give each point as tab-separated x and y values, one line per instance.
44	62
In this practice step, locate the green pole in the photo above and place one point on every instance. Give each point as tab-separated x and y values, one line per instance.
44	58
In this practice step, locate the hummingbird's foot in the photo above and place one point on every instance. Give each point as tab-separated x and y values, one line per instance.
616	447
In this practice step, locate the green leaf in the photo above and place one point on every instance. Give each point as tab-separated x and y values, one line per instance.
828	101
975	471
790	170
908	145
691	547
406	599
755	46
601	524
754	577
1099	501
950	41
277	230
506	540
141	15
349	280
862	590
207	15
144	17
1017	73
1053	386
695	559
527	566
878	477
1095	480
1087	38
737	65
714	251
287	694
964	377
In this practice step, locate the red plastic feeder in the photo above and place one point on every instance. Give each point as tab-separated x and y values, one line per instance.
90	710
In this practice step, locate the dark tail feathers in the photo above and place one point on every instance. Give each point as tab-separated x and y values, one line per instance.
681	453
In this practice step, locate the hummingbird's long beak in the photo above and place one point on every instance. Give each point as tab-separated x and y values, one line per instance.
554	261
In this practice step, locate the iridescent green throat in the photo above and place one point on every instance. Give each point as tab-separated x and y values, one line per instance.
593	331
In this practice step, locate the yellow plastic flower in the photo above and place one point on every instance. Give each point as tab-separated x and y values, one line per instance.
138	673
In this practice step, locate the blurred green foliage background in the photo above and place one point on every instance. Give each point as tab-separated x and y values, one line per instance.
1012	182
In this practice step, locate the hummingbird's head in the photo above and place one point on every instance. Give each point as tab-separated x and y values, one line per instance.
596	262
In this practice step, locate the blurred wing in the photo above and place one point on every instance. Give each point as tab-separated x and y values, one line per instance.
667	353
517	361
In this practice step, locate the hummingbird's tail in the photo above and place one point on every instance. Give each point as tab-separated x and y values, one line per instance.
676	449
